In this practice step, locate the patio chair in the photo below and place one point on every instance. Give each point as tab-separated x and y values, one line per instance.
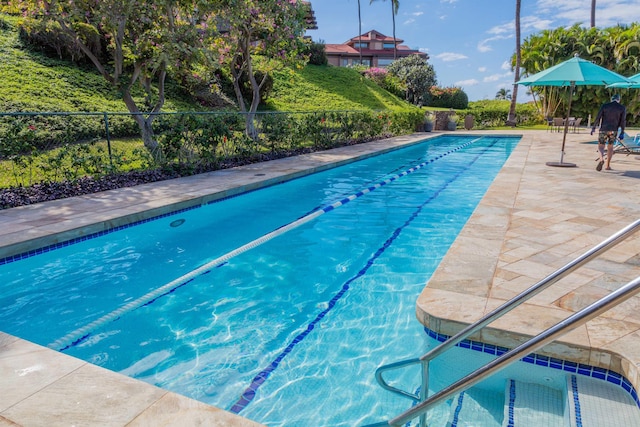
576	124
549	121
558	123
622	147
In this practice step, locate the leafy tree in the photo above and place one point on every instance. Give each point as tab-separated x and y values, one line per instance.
417	75
143	40
503	94
616	48
395	5
272	29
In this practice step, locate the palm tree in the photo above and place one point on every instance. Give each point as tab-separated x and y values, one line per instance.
395	4
593	13
359	32
511	119
503	94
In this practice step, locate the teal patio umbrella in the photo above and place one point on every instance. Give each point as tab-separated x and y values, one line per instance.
571	73
634	83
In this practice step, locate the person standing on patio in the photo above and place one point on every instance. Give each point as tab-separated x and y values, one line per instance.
611	118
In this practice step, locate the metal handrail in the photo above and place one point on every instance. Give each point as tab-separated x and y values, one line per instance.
502	310
487	319
570	323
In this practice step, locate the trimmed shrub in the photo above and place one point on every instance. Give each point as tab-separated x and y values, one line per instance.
386	80
448	97
493	113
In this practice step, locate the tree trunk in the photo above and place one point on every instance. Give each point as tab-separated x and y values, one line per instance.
241	64
144	124
593	13
393	17
252	132
359	32
511	119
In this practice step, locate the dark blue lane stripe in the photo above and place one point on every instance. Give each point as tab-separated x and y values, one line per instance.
576	400
250	392
512	403
456	413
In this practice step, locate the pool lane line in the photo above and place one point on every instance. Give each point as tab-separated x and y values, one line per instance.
78	335
250	392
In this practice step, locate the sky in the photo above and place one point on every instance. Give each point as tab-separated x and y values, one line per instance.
469	42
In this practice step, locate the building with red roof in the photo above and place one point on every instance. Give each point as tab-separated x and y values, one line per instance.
377	50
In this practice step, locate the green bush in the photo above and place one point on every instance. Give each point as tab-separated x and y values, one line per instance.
493	113
385	80
448	97
317	54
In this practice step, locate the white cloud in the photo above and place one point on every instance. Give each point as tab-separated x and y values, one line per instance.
464	83
417	13
534	23
448	1
409	21
482	69
484	45
496	77
450	56
492	78
504	28
608	12
527	24
443	17
423	49
506	65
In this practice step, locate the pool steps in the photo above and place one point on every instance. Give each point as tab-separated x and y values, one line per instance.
584	402
475	405
594	403
529	404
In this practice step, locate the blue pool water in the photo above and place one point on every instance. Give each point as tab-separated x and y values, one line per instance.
287	331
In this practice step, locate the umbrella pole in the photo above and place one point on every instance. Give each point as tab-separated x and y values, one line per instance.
566	129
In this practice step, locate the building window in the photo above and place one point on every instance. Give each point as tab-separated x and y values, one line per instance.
383	62
358	45
345	62
366	62
388	45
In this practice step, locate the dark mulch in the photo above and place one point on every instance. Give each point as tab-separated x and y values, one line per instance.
42	192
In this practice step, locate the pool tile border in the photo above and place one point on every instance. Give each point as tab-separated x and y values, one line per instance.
70	242
75	240
548	362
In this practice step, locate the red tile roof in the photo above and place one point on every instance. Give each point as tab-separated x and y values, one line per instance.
339	48
373	35
348	49
343	49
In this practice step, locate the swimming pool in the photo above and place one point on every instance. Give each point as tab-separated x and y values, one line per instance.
302	284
